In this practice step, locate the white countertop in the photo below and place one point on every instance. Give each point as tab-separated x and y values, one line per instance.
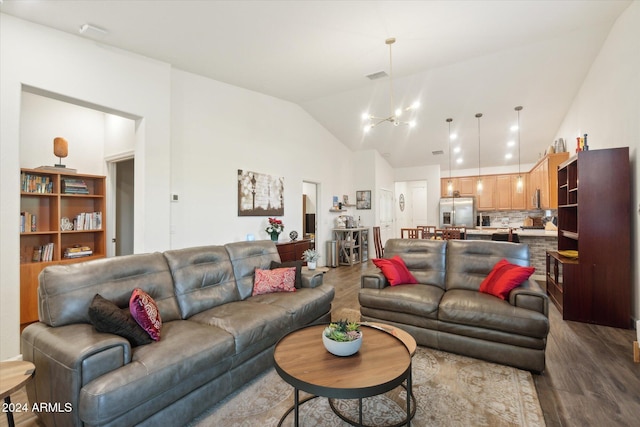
486	231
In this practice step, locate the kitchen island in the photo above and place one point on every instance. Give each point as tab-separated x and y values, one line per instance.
539	242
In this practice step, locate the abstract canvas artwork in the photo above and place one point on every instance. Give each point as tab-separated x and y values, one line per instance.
260	194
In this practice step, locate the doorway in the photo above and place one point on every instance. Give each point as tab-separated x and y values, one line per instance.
309	210
125	185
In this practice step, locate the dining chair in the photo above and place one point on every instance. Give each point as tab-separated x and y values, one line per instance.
461	231
451	233
377	242
412	233
427	231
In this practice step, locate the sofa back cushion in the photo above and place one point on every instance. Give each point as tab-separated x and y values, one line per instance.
425	259
203	278
470	261
65	291
246	257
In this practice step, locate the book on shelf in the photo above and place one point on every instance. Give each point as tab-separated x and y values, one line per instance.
43	253
74	186
88	221
78	251
30	183
28	222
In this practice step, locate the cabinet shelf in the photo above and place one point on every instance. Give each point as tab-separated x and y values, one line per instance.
569	234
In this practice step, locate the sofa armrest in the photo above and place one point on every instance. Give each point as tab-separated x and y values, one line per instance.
530	295
311	278
67	358
373	280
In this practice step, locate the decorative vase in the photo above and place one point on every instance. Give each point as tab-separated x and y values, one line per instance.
341	348
311	265
274	237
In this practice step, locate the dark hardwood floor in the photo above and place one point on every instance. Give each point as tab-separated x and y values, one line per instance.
590	379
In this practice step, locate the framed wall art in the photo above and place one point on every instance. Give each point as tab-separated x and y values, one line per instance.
363	199
260	194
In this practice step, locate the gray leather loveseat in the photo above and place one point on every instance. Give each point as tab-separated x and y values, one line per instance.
446	311
215	336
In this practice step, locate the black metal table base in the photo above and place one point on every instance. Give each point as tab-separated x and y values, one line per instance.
411	410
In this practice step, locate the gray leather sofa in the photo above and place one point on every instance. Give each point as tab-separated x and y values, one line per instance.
446	311
215	336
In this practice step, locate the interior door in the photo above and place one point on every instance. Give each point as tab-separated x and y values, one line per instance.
419	205
386	215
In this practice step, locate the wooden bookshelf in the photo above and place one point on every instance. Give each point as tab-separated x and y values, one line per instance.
42	196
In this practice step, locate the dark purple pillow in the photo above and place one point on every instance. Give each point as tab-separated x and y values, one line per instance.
107	317
145	311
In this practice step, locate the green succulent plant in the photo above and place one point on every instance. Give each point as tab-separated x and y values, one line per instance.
343	331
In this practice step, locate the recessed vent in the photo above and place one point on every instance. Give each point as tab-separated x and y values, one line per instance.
437	152
378	75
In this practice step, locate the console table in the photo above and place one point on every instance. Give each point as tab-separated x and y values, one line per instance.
353	245
292	251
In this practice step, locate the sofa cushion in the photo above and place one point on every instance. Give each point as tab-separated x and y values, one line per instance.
305	306
203	278
246	257
395	270
470	261
420	300
485	311
65	291
108	317
145	311
249	323
277	280
424	258
188	354
504	277
296	264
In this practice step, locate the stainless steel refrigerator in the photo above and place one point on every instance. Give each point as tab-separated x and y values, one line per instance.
457	211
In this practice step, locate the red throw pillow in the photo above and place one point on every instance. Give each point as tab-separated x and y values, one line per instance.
276	280
504	277
145	311
395	270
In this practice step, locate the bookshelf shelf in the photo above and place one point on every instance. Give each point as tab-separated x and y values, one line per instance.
45	201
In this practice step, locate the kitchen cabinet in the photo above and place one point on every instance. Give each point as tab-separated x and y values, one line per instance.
544	177
507	196
487	200
465	186
594	218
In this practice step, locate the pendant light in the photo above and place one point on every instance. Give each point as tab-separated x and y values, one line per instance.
450	183
519	183
479	182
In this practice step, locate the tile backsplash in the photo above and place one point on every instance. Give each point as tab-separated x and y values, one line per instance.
515	218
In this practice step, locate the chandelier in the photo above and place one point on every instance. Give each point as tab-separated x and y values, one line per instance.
394	113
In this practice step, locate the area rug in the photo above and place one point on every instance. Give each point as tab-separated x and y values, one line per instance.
450	390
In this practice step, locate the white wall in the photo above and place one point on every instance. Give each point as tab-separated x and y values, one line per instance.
607	108
80	69
217	129
431	174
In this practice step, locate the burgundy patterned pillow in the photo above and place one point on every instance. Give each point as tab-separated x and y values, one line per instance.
276	280
145	311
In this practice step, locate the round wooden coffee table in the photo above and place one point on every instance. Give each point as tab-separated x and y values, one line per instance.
13	375
382	364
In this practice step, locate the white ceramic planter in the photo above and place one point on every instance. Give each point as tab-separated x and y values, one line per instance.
346	348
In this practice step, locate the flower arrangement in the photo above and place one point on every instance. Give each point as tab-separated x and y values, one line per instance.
343	331
310	255
275	226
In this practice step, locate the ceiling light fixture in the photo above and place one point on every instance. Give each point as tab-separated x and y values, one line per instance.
395	113
450	183
519	183
479	182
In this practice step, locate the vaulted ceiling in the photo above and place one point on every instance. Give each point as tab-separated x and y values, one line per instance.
458	58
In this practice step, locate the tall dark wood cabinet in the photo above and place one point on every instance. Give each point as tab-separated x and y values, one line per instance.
594	218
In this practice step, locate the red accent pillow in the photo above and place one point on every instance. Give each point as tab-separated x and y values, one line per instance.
504	277
395	270
276	280
145	311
